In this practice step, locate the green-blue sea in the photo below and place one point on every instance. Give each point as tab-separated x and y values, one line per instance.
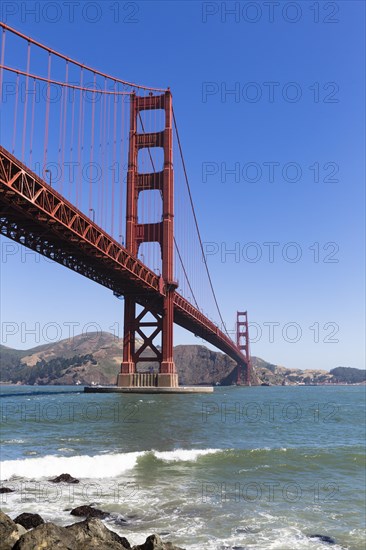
242	468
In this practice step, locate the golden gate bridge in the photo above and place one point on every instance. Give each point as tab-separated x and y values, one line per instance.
87	179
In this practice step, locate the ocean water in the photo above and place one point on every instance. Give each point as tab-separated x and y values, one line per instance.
243	468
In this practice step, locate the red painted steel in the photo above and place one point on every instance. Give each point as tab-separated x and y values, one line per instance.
242	332
161	232
40	218
37	216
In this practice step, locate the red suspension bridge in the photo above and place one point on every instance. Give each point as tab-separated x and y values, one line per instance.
87	179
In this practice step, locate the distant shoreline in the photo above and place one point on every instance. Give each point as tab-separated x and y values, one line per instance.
82	386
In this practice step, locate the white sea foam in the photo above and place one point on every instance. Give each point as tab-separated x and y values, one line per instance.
95	467
99	466
189	455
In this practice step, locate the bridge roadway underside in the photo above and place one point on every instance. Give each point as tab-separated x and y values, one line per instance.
36	216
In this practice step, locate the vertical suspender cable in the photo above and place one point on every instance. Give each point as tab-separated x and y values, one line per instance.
60	132
92	139
103	159
115	99
15	113
71	174
83	194
3	37
63	145
100	155
79	172
32	125
121	170
47	119
26	102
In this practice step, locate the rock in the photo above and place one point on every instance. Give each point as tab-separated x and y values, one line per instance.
21	529
154	542
28	520
323	538
47	536
6	490
9	533
64	478
89	512
93	531
90	534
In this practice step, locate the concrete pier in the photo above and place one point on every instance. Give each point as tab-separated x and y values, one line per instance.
148	389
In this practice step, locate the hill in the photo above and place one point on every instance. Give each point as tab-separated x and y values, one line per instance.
95	359
349	375
89	358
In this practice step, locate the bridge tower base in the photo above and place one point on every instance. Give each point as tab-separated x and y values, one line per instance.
156	317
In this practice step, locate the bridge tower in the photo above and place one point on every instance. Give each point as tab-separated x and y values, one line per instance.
242	333
162	232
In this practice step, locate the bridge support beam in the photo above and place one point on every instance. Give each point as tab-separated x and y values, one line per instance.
161	232
125	378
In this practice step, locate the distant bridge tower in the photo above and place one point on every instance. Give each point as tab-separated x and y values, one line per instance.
242	341
150	319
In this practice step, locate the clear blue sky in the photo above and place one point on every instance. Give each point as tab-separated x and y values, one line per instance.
293	130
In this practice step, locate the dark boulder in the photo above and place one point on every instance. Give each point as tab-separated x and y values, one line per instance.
154	542
89	512
6	490
323	538
93	531
28	520
64	478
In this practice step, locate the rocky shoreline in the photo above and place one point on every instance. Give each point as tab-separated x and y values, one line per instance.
29	532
